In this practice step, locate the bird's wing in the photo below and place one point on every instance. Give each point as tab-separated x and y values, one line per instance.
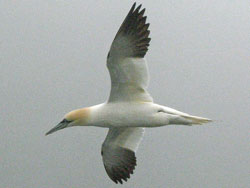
118	152
126	64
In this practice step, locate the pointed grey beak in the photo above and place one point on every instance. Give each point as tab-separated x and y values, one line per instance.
60	126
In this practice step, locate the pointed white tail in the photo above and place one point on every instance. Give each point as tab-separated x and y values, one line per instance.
197	120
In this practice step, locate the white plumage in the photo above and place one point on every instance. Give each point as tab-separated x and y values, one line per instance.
129	79
130	107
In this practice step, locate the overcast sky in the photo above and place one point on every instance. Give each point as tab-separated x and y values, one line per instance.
52	60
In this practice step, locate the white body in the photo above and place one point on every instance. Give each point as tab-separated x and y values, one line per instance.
136	114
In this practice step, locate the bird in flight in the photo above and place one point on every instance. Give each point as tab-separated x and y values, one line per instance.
130	108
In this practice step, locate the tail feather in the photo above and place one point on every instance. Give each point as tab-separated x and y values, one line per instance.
197	120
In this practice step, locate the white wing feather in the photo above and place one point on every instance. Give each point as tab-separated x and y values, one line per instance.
129	80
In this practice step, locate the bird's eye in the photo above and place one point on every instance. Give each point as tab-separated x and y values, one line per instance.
65	121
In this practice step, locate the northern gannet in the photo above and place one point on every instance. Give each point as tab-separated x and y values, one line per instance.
130	108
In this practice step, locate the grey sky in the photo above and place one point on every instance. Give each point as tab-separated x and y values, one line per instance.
52	60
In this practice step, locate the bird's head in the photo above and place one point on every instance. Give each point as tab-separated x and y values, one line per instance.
77	117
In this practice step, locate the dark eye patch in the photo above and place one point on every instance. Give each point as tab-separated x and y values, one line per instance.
65	121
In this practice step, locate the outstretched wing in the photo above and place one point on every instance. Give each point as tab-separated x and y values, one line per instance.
126	64
118	152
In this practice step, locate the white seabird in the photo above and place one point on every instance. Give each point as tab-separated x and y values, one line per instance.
130	108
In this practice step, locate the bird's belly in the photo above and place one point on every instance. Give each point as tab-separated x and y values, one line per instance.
128	120
124	116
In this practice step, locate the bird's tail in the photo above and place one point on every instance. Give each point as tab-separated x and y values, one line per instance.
197	120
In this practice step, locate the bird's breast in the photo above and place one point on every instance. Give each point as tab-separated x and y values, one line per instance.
122	115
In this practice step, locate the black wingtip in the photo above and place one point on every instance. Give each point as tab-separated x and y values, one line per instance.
133	7
142	11
138	8
135	28
124	168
